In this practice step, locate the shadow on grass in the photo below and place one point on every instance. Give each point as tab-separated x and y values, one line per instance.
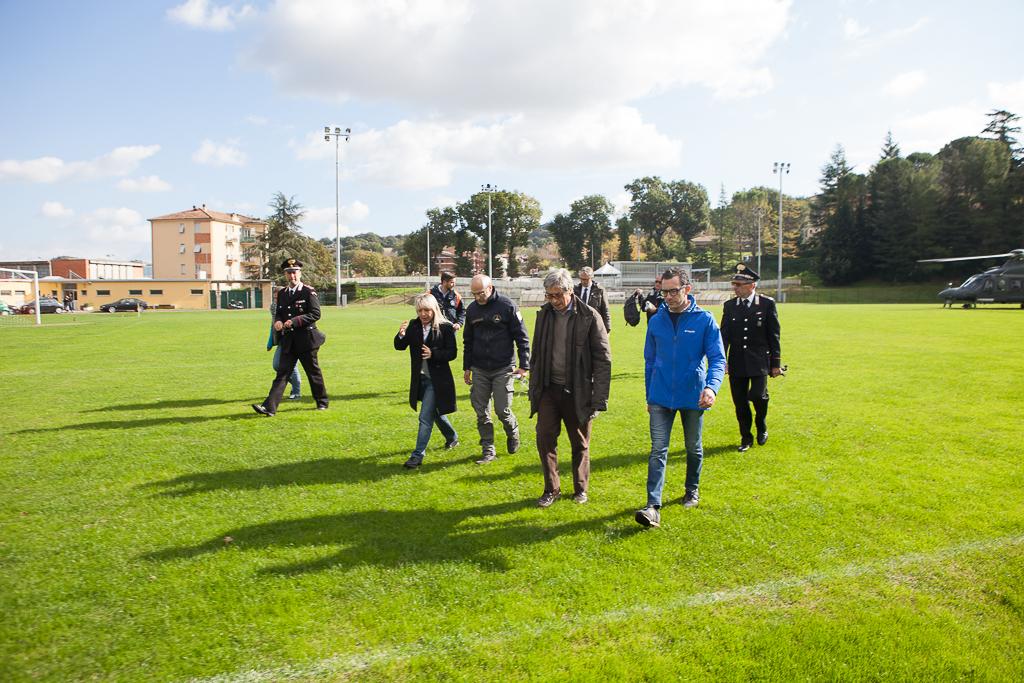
142	423
308	473
158	405
395	538
597	464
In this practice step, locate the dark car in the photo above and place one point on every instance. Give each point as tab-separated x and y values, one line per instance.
47	304
129	304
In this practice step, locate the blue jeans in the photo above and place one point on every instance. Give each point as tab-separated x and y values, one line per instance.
661	431
429	416
296	382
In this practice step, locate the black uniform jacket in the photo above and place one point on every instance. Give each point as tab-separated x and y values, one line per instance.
303	309
493	333
443	350
598	301
751	337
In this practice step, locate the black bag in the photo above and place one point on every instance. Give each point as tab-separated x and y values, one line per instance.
632	310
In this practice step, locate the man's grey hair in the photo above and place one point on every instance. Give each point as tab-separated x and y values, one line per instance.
676	271
588	270
558	278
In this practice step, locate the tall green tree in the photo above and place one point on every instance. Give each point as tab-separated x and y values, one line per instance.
593	216
465	245
691	213
285	239
624	229
650	210
570	239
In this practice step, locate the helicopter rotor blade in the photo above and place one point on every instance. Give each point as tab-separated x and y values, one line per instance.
965	258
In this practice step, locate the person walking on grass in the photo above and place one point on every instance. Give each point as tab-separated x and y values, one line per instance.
494	331
298	309
430	338
571	371
293	379
680	336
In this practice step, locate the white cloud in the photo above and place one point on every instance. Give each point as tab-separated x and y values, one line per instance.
319	222
203	15
905	83
55	210
928	132
148	183
121	161
1007	96
211	153
425	154
465	58
876	41
853	30
257	120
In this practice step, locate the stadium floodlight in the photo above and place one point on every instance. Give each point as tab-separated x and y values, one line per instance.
489	190
782	168
35	288
337	134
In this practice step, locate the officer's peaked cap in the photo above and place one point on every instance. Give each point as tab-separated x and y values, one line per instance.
291	264
745	273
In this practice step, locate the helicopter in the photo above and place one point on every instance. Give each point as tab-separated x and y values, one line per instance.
998	285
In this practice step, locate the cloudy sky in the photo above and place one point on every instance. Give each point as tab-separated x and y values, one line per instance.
118	112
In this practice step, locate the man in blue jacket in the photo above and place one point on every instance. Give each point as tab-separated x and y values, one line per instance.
680	335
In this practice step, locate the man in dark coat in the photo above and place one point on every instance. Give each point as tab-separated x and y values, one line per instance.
751	335
449	300
649	304
298	309
571	369
431	348
493	333
592	294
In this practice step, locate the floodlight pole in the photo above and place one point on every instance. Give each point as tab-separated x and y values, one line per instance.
337	134
489	189
760	212
780	167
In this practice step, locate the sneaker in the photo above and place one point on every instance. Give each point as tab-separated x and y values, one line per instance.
413	462
294	397
548	498
762	438
451	444
512	442
691	499
262	410
649	517
487	457
580	498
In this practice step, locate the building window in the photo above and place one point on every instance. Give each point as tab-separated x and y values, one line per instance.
195	291
181	248
198	249
154	292
5	292
83	292
102	292
136	292
196	227
181	228
20	291
183	269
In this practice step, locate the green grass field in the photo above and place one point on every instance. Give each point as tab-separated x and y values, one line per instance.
154	528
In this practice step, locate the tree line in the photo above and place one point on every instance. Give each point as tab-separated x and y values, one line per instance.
968	198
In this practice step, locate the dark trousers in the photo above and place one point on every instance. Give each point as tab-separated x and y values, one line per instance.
284	371
747	390
557	406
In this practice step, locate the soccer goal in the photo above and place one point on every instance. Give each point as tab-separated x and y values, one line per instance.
13	276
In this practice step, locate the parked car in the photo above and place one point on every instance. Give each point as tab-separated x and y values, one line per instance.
129	304
47	304
5	309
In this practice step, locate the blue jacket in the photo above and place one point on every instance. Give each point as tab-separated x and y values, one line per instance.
674	371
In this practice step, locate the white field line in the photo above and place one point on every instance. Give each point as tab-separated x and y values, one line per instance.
341	664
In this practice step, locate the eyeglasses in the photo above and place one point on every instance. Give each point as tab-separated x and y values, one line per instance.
553	297
671	292
481	293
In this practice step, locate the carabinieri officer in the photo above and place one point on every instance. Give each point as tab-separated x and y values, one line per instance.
751	335
298	309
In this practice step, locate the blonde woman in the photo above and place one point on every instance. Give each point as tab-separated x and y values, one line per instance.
430	339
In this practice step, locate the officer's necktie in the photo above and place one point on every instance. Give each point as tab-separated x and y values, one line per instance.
586	295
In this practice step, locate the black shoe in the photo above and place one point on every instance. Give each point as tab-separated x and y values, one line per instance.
548	498
487	457
744	445
321	406
762	438
413	462
691	499
649	517
451	444
512	442
262	410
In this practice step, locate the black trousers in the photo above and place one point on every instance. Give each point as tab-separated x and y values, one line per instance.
747	390
284	370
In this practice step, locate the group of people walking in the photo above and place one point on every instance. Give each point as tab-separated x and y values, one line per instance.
686	357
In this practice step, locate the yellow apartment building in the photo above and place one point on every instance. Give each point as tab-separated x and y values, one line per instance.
203	244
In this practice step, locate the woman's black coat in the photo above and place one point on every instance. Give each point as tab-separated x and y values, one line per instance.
443	350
